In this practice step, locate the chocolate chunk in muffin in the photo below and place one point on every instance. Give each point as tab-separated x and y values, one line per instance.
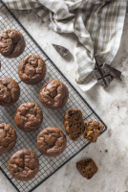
32	69
87	168
54	94
12	43
74	123
93	130
51	141
23	165
28	117
8	137
9	91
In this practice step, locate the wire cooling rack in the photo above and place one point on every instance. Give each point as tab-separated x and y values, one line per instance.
48	166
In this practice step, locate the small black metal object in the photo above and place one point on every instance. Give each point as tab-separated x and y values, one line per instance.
48	166
104	73
113	71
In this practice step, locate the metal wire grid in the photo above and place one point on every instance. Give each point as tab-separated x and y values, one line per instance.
48	166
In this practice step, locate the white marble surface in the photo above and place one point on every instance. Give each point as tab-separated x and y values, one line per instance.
111	104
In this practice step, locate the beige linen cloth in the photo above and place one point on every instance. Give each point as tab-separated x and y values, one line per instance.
98	25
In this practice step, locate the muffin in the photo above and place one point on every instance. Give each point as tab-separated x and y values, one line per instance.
23	165
87	168
54	94
93	130
8	137
51	141
9	91
28	117
12	43
74	123
32	69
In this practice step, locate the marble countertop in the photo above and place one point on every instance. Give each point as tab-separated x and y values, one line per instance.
110	104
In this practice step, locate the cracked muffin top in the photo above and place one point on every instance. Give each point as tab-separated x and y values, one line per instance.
8	137
54	94
32	69
28	117
12	43
23	165
51	141
9	91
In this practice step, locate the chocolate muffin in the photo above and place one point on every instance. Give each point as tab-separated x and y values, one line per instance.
9	91
28	117
32	69
51	141
8	137
87	168
93	130
54	94
12	43
74	123
23	165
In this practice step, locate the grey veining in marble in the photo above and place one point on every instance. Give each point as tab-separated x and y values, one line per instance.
111	104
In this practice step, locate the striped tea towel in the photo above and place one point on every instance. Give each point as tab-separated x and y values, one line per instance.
98	25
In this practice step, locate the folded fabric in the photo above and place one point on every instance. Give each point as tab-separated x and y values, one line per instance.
98	25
